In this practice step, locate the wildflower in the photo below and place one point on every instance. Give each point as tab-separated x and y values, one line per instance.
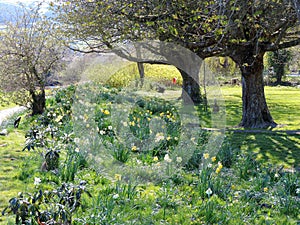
161	114
125	124
118	176
213	159
106	112
178	159
209	165
37	181
220	166
167	158
168	138
149	119
206	156
76	149
88	125
132	123
232	186
276	175
110	127
76	140
115	196
298	191
265	189
133	148
155	158
159	136
85	116
208	192
102	132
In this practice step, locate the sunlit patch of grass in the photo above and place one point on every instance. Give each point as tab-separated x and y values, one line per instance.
6	106
283	103
11	159
129	73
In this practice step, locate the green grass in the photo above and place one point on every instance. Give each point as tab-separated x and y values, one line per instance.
275	148
278	149
283	103
177	200
6	106
11	158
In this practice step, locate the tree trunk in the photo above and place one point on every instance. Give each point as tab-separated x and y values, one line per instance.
255	110
279	73
141	72
190	89
38	102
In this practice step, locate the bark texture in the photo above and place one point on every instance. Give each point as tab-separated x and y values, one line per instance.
38	102
255	109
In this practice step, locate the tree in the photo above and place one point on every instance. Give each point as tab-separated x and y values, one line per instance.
255	28
29	53
278	60
102	25
242	30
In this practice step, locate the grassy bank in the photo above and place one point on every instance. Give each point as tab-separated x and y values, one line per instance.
243	185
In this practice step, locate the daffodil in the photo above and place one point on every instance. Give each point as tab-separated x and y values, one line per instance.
178	159
208	192
167	158
206	156
118	176
37	181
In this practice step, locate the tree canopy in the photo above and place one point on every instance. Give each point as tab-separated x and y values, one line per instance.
242	30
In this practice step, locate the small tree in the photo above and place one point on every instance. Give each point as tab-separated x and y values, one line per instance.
28	54
279	60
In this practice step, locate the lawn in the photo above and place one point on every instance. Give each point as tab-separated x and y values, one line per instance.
283	102
276	147
110	173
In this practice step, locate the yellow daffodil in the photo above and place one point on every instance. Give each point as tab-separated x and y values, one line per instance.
118	176
206	156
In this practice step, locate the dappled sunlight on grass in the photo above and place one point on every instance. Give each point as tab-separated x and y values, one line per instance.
274	148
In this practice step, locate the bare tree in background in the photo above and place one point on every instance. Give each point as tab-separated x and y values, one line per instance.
28	54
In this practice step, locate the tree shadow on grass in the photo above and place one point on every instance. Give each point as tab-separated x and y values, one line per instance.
271	148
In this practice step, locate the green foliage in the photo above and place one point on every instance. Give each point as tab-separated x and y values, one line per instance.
234	188
278	61
54	206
